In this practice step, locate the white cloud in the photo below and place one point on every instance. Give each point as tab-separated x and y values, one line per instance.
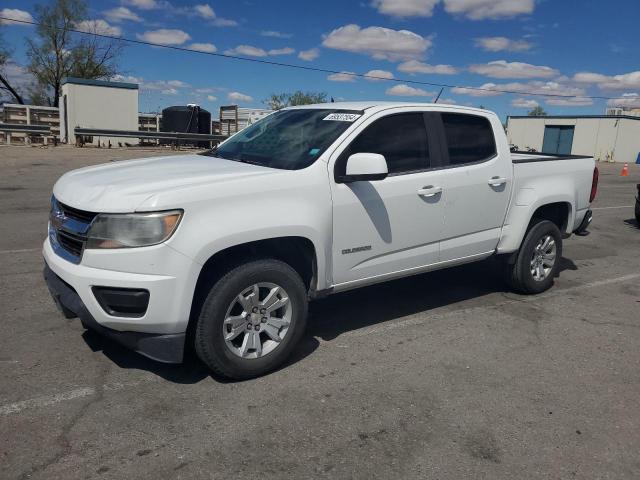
205	11
281	51
251	51
275	34
504	69
570	102
610	82
535	86
499	44
203	47
447	101
378	42
494	9
212	98
403	90
239	97
126	78
177	83
143	4
379	75
15	14
342	77
205	90
99	26
224	22
309	55
405	8
485	90
629	100
524	103
247	51
415	66
165	36
119	14
166	87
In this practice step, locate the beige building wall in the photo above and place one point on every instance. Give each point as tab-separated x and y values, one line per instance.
98	106
605	138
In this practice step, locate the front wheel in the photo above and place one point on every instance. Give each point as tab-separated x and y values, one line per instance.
538	260
252	319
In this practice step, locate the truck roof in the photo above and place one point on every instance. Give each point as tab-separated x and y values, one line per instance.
365	105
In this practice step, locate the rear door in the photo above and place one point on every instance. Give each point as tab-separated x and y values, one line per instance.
476	186
392	225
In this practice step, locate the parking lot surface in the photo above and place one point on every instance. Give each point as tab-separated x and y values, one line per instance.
446	375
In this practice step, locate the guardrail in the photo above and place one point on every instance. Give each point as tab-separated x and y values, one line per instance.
29	130
175	137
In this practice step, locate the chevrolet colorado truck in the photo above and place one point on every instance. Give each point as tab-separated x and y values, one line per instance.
219	252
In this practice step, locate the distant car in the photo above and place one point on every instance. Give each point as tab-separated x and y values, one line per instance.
638	205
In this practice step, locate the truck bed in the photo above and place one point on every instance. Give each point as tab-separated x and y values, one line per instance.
527	157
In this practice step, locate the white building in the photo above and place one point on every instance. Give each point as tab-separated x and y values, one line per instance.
98	104
613	138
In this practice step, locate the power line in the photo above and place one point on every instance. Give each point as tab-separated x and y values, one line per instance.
309	68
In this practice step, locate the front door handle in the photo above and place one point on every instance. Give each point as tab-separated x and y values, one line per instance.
497	181
429	191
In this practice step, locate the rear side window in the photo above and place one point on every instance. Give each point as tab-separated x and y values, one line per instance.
402	139
469	138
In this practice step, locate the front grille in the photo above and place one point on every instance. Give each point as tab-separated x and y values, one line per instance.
72	243
80	215
68	228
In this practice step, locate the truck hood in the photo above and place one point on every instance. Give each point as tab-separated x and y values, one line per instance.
125	185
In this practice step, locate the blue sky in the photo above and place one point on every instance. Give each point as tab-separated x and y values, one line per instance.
575	47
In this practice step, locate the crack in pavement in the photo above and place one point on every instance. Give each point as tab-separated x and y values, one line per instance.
66	445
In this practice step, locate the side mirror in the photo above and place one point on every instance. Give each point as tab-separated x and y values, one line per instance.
365	167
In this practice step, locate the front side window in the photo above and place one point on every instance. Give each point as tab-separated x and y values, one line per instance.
288	139
401	138
469	138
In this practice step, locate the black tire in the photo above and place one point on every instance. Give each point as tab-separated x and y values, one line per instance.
638	212
518	274
210	345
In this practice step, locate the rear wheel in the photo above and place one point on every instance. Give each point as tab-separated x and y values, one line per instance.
252	319
537	262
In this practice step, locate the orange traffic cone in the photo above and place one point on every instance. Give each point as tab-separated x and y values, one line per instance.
625	170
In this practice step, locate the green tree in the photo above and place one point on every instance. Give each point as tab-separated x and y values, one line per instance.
57	53
537	112
5	56
277	101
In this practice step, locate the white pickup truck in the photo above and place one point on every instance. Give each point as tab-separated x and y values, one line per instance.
221	251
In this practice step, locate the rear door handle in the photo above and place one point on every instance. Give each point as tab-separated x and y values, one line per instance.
497	181
429	191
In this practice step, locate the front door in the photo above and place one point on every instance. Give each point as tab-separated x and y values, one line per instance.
392	225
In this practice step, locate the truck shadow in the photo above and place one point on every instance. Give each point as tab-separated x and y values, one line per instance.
341	313
365	307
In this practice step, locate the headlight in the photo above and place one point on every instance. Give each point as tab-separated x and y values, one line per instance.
115	230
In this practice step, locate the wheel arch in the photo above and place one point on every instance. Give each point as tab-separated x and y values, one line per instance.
296	251
560	213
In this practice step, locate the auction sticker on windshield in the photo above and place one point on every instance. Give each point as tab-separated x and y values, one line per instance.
343	117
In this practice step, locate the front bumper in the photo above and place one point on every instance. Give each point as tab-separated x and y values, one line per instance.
167	275
168	348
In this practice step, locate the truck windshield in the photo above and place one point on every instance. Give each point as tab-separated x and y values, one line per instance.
288	139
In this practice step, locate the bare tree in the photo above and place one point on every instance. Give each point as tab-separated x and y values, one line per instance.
5	55
57	53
